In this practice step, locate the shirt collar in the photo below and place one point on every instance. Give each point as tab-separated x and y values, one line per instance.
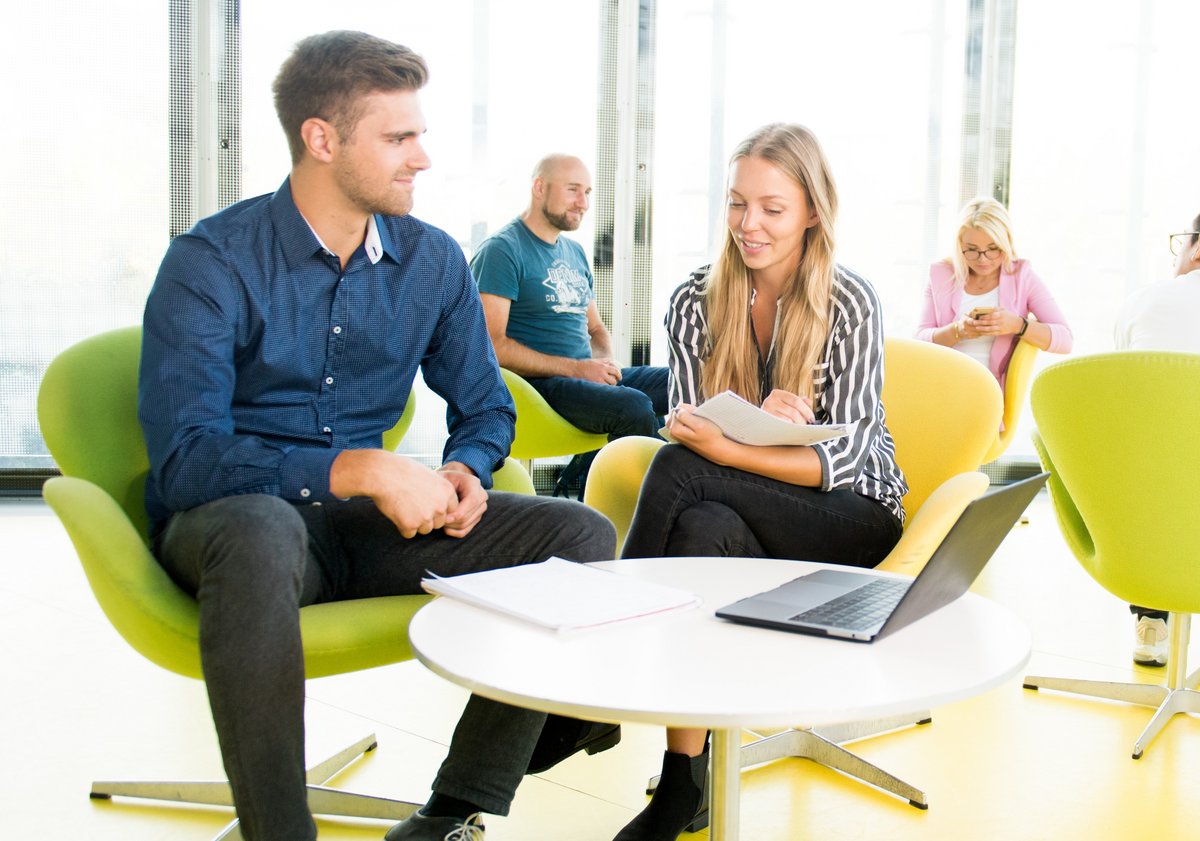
300	241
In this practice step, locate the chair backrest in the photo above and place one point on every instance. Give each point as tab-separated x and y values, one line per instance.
615	479
393	437
1017	378
1118	433
87	411
541	431
943	409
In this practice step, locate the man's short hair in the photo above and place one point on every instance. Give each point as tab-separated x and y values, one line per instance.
327	75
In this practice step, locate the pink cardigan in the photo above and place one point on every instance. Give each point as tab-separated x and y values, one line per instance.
1021	292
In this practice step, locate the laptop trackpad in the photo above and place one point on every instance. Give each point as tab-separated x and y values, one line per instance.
806	592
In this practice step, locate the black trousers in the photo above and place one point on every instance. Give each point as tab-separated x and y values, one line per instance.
690	506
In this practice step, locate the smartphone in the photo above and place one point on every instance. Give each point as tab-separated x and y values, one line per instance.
979	312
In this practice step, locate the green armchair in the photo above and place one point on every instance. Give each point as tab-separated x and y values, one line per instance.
87	408
1117	432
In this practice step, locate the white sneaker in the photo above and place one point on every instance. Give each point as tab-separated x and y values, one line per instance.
1150	642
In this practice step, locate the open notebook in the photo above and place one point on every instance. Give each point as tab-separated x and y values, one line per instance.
746	423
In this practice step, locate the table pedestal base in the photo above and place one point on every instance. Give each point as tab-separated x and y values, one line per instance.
824	745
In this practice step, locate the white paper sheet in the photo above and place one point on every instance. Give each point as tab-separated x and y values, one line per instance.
562	595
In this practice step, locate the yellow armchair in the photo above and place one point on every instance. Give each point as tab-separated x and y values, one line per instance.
1016	389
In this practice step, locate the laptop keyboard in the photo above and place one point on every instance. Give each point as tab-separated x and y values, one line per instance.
859	609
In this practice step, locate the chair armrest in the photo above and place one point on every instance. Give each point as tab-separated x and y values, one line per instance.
929	526
541	431
615	479
158	619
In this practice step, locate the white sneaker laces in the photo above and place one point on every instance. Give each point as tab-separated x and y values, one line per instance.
471	829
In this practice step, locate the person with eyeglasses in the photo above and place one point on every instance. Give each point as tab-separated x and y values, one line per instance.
983	299
1158	317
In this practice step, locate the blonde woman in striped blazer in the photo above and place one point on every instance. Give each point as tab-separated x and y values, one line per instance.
777	321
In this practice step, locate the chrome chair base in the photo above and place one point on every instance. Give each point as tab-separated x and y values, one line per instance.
824	746
1179	695
321	799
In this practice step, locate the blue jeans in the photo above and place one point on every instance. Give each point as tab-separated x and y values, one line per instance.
691	507
252	561
631	407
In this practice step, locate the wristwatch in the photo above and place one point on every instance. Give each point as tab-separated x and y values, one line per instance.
1024	326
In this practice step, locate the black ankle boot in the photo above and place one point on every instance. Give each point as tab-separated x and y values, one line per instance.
680	803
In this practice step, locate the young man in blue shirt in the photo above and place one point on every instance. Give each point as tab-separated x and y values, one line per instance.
281	339
536	288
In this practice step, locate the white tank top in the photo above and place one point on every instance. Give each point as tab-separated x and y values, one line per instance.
979	348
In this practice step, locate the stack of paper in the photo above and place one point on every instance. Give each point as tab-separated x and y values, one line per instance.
562	595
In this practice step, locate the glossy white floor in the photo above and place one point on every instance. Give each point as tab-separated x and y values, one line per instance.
78	705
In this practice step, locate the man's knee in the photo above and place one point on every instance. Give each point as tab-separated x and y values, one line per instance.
564	528
633	414
581	533
600	536
250	536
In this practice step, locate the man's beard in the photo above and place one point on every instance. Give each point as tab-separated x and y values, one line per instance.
561	220
371	198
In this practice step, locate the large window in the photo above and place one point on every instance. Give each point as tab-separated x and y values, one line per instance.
1104	154
880	87
1103	138
1103	141
83	223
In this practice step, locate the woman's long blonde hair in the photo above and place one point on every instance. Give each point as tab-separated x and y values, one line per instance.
732	362
987	215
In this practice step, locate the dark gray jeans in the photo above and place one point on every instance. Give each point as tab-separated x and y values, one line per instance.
252	561
690	506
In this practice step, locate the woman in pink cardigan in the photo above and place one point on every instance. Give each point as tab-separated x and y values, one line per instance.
982	300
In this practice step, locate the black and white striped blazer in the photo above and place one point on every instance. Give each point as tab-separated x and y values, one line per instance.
847	383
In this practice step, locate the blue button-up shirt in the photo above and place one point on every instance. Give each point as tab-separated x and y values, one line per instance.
262	359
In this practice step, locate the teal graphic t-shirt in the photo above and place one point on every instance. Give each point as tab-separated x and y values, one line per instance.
550	287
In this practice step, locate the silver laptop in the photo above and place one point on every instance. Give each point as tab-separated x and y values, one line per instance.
864	606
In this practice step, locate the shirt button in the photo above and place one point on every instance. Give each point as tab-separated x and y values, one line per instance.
326	429
305	492
329	381
337	329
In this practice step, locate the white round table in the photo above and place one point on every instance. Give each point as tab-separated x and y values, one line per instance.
690	669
